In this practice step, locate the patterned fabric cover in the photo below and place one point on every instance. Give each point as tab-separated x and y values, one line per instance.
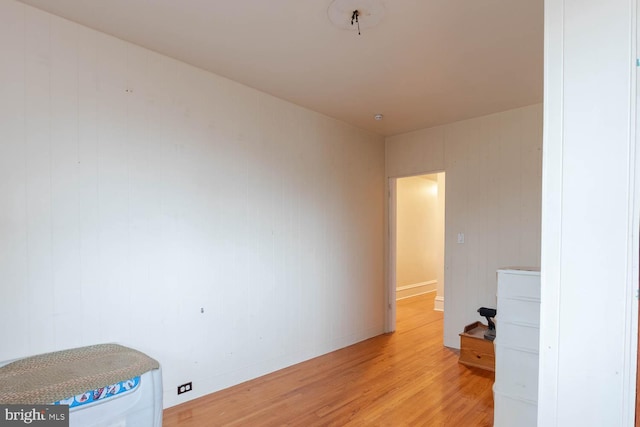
50	377
101	393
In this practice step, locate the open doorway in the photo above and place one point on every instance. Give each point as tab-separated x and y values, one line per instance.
416	246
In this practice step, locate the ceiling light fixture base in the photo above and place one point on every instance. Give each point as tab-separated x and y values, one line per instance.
370	13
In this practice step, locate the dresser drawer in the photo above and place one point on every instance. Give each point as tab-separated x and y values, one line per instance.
517	373
510	412
519	286
519	311
520	336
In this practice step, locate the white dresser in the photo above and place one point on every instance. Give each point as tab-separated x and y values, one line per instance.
516	347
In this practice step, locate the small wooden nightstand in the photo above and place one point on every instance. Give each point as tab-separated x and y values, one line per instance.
474	349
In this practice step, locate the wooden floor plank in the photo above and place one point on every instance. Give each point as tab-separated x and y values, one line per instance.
402	379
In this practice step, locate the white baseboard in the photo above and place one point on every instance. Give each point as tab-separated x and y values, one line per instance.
415	289
438	304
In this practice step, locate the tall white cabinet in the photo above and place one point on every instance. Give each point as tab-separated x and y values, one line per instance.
516	347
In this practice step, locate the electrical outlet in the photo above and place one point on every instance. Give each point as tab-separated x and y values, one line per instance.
185	388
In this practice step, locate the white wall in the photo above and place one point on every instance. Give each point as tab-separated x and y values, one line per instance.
493	176
136	190
590	232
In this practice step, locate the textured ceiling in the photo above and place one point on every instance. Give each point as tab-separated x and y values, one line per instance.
427	62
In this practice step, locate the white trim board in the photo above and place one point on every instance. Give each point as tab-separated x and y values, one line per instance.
438	304
408	291
417	285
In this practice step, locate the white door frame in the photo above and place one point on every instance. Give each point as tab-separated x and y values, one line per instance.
390	323
557	275
390	292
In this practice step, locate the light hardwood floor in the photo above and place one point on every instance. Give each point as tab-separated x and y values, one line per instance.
402	379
